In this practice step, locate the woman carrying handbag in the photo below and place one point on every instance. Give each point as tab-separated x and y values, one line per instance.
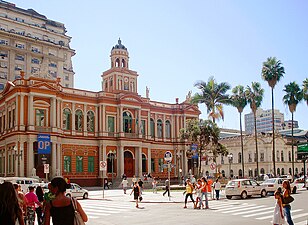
286	200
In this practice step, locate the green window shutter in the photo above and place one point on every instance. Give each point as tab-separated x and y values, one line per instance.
67	164
79	164
110	124
91	164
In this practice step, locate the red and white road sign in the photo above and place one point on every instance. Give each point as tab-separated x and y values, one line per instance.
102	165
46	168
213	166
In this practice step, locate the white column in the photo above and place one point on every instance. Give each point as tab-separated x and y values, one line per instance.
184	122
53	114
59	157
85	129
140	161
149	161
21	114
149	126
59	114
164	127
30	156
21	158
53	159
104	157
184	162
16	116
177	127
6	160
96	121
73	119
121	121
103	120
155	125
31	113
120	161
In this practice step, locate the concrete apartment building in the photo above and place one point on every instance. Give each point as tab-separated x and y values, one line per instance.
264	121
32	43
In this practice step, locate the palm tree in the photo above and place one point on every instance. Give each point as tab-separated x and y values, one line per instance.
305	90
272	72
238	100
254	95
213	95
293	96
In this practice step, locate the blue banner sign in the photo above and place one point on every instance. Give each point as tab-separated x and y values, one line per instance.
43	142
194	149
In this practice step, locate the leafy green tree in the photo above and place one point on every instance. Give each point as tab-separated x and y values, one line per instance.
239	101
305	90
254	95
205	134
213	95
272	72
293	96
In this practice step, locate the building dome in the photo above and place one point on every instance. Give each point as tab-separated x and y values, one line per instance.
119	46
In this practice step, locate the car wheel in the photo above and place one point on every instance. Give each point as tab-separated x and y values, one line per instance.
294	190
68	195
85	195
228	196
244	195
263	193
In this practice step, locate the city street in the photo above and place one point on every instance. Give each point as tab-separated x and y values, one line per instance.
118	208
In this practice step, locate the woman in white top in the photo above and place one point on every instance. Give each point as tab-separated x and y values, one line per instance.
278	217
217	187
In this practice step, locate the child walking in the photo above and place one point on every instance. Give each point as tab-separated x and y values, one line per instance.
278	217
137	192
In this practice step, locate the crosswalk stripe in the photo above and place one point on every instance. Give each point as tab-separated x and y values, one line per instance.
245	208
95	209
235	207
258	214
108	206
305	222
299	215
267	217
253	211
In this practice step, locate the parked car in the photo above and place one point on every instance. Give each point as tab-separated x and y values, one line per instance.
272	184
24	182
244	188
76	191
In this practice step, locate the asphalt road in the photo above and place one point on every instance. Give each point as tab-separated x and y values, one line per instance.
117	209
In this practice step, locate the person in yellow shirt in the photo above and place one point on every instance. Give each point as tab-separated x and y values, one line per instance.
189	191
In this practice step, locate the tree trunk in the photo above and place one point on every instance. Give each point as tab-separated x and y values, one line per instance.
256	140
242	146
273	132
292	146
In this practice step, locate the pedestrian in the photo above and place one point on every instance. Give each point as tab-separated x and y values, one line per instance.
189	191
209	188
278	217
204	191
39	208
193	180
134	179
140	183
10	210
106	183
217	187
21	198
198	188
154	185
32	200
287	206
61	208
136	191
124	184
167	187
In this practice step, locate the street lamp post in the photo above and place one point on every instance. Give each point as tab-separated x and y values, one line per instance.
112	157
230	157
178	157
18	155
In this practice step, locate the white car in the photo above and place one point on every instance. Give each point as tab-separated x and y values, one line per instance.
77	192
244	188
272	184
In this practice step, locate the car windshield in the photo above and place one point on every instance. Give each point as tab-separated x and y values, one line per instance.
269	181
231	183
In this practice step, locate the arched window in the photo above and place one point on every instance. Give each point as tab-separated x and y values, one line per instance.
123	63
282	171
78	120
278	172
90	121
159	128
168	129
262	171
231	173
127	122
110	163
256	172
240	173
277	155
144	164
66	119
117	63
223	173
152	128
239	160
282	158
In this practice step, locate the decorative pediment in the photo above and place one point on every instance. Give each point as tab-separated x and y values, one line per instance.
192	108
130	97
8	87
44	85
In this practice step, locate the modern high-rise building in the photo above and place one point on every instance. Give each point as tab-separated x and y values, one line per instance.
264	121
32	43
288	124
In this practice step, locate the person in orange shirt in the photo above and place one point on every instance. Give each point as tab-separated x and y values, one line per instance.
209	186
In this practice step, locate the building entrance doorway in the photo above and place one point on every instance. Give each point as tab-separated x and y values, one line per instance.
128	164
40	160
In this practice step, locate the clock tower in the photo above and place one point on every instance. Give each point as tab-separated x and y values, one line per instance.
119	78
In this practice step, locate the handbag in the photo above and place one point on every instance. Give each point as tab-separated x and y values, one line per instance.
77	217
140	198
287	200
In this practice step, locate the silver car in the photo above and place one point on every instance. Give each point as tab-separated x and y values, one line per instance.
244	188
76	191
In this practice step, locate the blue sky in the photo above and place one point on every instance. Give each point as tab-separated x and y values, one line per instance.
172	44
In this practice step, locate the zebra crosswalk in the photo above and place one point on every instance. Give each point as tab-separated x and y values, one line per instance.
104	208
258	212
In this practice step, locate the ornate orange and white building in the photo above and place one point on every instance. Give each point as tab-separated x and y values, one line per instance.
117	125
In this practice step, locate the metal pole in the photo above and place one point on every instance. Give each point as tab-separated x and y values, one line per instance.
103	185
169	167
304	172
112	157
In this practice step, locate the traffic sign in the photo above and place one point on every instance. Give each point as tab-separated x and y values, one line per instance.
168	156
213	166
102	165
46	168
